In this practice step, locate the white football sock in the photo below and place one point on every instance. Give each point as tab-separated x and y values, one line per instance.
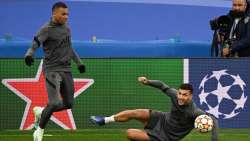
40	130
109	119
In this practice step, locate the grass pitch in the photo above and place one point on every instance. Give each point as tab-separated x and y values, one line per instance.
114	135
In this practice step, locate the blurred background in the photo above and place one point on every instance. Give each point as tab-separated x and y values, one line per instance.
125	20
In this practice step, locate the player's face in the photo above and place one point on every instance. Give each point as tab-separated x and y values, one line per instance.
184	97
239	5
60	15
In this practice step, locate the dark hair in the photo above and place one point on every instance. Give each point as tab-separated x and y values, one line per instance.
59	5
187	86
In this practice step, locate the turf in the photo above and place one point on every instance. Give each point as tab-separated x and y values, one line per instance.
114	135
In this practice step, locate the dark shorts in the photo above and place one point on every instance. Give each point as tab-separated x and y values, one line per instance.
60	86
154	128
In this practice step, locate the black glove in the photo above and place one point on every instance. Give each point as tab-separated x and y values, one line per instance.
29	60
81	68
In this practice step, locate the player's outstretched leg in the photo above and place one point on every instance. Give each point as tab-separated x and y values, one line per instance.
137	114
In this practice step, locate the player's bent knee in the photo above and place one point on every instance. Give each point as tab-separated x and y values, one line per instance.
130	134
137	135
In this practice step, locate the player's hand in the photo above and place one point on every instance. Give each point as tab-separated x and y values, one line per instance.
143	80
81	68
29	60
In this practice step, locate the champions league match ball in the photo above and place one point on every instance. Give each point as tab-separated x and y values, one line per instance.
203	123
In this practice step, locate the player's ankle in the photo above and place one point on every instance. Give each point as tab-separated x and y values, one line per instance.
109	119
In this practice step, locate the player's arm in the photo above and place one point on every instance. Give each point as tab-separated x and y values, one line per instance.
40	37
159	85
77	60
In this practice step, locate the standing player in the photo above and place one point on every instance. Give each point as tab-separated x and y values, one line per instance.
56	40
162	126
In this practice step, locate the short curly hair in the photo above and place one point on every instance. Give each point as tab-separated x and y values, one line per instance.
186	86
59	5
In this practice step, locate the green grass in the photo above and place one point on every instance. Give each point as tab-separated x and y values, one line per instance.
114	135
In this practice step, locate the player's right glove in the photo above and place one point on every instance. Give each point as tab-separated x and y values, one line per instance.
29	60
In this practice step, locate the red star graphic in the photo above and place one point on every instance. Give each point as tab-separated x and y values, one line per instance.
33	91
